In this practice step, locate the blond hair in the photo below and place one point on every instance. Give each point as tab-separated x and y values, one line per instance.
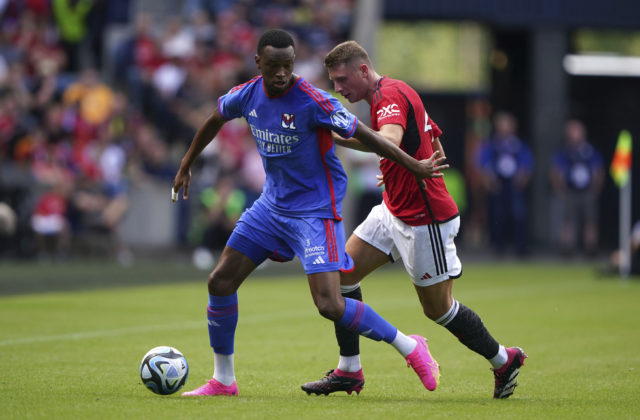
346	53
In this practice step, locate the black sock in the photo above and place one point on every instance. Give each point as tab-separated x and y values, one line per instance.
349	341
468	327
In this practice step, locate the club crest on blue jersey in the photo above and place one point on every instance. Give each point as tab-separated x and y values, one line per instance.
340	119
289	121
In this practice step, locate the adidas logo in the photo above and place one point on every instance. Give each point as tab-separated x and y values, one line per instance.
426	276
319	260
253	113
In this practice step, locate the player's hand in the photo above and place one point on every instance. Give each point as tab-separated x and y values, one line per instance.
182	180
434	165
380	179
431	167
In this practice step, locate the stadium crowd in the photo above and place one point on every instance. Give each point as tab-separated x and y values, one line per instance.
81	120
85	117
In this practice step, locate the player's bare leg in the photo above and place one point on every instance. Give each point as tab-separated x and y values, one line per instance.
435	299
348	376
439	306
222	314
359	318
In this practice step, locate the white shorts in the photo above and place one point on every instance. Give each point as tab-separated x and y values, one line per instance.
428	252
50	224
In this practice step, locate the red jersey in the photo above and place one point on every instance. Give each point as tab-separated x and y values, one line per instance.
395	102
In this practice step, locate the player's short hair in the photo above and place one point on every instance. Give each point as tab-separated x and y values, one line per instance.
346	53
277	38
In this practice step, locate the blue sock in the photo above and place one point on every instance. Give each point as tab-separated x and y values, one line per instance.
222	314
359	317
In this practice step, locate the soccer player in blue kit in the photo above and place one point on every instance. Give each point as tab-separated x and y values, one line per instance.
299	210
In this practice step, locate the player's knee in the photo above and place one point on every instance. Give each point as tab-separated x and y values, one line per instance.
219	285
329	308
430	313
435	310
350	279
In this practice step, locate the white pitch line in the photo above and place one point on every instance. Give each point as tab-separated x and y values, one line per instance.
188	325
244	319
82	335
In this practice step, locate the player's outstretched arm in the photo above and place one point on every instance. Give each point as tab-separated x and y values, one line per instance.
204	136
350	143
427	168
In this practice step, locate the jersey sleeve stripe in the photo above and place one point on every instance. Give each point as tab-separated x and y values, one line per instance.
324	104
311	91
353	127
240	86
220	110
325	142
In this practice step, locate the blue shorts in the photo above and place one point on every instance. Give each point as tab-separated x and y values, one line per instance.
318	243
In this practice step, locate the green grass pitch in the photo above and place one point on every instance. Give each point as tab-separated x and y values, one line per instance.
75	354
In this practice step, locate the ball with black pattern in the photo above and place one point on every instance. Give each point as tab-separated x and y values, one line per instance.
164	370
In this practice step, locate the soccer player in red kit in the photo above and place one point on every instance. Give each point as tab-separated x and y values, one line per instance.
417	221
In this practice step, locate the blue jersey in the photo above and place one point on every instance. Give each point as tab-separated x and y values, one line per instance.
293	135
505	157
578	165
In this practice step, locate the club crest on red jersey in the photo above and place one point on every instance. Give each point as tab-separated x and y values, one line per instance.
288	121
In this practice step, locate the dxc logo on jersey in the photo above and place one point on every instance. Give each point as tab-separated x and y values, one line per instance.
388	111
289	121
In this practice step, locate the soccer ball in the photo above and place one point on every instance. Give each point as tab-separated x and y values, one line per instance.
164	370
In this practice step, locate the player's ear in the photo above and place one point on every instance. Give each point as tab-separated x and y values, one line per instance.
364	70
257	59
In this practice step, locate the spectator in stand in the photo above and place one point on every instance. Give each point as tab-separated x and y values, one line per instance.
54	179
100	198
478	113
507	167
71	18
8	222
124	120
152	154
43	90
577	177
203	30
136	59
50	225
252	172
96	23
220	209
307	60
94	98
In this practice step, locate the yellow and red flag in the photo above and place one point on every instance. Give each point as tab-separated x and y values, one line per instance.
621	162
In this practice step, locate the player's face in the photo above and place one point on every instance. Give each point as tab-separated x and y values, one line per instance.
349	81
276	66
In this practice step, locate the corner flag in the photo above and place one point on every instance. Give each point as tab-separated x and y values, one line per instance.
620	171
621	163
